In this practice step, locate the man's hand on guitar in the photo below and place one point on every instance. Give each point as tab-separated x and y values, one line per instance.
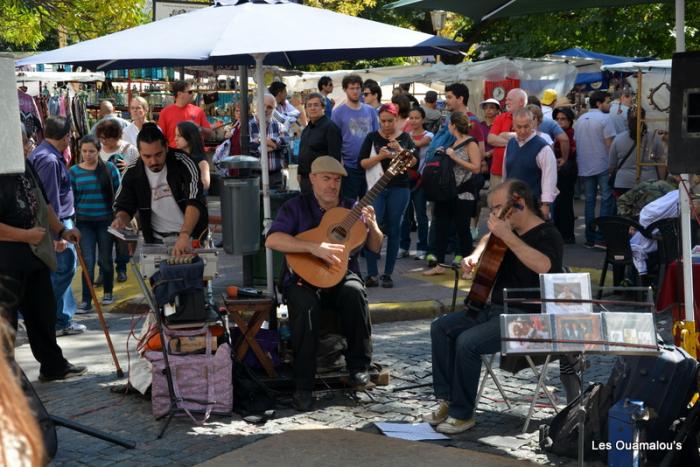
329	252
468	264
499	227
370	217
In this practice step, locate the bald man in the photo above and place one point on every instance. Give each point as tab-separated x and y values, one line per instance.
106	112
275	142
502	132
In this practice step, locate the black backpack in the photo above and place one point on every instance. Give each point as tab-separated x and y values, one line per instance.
438	177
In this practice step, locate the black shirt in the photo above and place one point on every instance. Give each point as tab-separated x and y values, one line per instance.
374	138
322	138
544	238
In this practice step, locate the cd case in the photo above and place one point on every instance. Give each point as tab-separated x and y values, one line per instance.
566	286
630	328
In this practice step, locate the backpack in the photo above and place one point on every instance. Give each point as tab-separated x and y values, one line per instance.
438	178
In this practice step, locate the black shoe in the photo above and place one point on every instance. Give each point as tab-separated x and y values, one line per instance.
387	283
371	281
359	378
303	400
70	371
121	276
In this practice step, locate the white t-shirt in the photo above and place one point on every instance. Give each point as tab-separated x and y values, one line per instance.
130	133
127	150
166	216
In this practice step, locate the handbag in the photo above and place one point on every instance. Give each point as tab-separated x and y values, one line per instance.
611	178
374	173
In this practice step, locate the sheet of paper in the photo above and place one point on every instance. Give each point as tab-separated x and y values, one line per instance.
409	431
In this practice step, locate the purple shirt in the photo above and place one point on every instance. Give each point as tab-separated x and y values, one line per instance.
355	125
55	178
303	213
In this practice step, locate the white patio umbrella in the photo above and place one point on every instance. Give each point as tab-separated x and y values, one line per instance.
246	32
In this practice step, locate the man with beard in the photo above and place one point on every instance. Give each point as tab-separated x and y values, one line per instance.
163	187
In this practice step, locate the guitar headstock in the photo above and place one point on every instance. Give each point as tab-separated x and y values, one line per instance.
401	161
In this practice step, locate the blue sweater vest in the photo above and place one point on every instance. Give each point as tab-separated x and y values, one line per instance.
521	163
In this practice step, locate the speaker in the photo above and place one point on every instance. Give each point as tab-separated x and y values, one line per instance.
684	120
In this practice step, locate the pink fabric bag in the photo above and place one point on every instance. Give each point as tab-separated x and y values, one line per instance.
201	382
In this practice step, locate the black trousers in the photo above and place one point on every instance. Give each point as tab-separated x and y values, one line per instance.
349	300
28	289
455	211
563	212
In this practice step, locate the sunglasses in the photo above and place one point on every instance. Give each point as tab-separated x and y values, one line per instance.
366	94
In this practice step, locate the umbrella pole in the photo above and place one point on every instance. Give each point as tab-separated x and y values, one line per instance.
264	166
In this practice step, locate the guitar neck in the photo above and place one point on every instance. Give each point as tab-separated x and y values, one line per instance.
368	199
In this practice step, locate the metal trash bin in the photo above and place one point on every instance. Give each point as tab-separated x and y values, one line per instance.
240	206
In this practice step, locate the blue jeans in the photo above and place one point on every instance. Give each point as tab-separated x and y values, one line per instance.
94	234
60	281
417	204
458	341
354	185
389	207
607	203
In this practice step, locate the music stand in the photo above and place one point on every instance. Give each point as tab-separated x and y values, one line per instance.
603	345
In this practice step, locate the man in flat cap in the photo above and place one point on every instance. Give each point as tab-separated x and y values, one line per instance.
305	301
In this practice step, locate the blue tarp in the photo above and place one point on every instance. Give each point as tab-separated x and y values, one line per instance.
594	77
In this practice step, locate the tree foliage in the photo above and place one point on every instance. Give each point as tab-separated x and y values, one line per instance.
633	31
26	23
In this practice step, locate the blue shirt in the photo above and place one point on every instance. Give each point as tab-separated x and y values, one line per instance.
590	131
355	125
328	110
91	203
54	177
275	159
550	127
443	139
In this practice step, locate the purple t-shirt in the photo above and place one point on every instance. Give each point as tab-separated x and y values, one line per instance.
355	125
303	213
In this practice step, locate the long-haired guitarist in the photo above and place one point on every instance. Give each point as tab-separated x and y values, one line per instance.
459	339
306	302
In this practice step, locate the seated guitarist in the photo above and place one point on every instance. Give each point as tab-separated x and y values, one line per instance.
460	338
306	302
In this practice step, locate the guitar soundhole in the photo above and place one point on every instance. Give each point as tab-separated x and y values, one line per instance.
338	234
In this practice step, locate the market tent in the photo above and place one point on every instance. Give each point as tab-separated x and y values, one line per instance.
79	77
243	32
534	76
485	9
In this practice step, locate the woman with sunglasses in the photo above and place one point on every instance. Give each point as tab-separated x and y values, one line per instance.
567	173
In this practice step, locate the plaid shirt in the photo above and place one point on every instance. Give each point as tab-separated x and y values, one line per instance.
277	158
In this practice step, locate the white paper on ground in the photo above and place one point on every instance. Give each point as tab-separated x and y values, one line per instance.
410	431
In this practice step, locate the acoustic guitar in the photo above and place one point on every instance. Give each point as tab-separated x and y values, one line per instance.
486	270
341	226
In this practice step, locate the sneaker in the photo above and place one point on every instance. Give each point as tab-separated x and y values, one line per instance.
71	371
402	253
387	283
457	260
431	259
454	426
83	308
121	276
371	281
73	328
107	299
600	245
438	416
420	255
588	244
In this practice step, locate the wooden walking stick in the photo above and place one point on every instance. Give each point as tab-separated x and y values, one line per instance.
98	307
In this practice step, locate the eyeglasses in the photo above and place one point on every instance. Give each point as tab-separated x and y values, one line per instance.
311	105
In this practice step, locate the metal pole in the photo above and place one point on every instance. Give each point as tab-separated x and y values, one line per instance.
264	166
248	260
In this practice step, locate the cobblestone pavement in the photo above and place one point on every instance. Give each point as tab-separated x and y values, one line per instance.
404	347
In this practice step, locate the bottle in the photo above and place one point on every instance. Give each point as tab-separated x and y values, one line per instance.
284	332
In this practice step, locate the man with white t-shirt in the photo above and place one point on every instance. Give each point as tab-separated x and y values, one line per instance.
163	187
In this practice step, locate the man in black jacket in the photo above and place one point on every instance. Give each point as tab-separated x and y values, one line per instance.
163	187
321	137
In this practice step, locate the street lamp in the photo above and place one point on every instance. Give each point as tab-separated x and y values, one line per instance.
437	17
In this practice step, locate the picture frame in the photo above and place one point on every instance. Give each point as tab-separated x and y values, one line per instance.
569	286
580	328
526	326
629	328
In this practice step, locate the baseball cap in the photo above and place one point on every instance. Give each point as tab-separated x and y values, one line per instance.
548	96
327	164
491	101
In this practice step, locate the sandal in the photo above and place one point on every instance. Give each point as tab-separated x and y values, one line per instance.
436	271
